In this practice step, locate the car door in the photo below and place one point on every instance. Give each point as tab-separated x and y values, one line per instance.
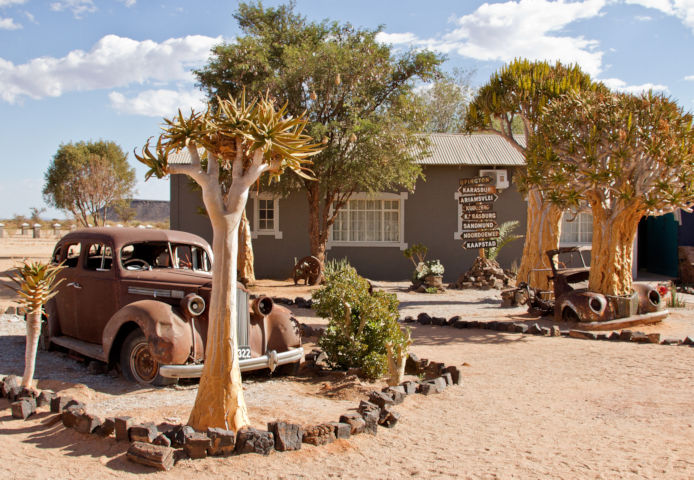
98	292
67	299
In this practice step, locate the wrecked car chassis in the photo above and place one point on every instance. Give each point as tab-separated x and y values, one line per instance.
138	299
571	301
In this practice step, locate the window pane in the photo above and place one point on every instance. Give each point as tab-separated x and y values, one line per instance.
368	220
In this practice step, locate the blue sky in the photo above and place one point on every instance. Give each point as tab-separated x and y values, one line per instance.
74	70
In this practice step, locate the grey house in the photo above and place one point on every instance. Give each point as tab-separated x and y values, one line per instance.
373	229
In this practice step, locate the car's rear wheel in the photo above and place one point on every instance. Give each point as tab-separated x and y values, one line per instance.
138	364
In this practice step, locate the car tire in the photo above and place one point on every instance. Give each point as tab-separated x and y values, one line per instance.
137	364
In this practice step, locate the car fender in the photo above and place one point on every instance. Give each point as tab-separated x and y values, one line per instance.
282	330
649	298
580	303
169	335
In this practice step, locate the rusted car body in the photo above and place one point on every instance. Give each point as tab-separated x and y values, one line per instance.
138	298
574	302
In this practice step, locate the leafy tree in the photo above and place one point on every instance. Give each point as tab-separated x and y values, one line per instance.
36	284
446	102
522	90
625	156
239	142
86	177
358	97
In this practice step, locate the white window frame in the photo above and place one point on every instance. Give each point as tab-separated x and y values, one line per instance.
401	244
576	219
256	231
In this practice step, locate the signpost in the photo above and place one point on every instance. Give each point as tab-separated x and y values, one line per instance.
477	197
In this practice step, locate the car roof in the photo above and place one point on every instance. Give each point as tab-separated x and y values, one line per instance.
125	235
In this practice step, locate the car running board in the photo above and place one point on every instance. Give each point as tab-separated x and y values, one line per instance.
91	350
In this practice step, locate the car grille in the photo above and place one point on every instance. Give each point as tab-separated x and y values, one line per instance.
244	318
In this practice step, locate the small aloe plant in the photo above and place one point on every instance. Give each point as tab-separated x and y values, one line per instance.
36	284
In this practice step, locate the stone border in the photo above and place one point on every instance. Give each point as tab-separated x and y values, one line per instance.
161	446
553	331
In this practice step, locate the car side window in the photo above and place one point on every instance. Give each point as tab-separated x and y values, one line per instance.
55	258
99	257
73	255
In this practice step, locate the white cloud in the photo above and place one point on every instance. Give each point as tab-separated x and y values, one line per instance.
8	24
158	103
129	3
689	77
396	38
77	7
682	9
524	28
113	62
621	86
7	3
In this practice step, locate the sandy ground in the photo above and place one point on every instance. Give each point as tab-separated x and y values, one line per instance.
529	407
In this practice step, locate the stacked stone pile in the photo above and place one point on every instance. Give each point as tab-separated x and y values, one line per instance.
484	274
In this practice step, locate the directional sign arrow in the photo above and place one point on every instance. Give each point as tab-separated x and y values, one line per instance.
479	225
479	216
475	181
490	197
476	189
480	234
477	207
480	244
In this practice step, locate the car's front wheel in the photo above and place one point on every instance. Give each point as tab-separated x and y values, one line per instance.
138	364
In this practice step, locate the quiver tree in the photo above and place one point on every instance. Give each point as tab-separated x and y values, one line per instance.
239	141
357	94
36	284
625	156
515	98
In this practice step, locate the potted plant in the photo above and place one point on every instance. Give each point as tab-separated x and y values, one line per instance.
426	274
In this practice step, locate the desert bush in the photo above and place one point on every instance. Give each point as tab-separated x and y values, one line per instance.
362	327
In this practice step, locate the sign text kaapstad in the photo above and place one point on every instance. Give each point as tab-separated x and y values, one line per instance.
480	244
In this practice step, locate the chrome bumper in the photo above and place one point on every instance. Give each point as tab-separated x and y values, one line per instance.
270	360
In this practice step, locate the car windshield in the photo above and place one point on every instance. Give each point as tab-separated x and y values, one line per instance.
157	255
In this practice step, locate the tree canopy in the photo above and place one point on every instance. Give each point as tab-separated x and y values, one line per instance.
357	95
86	177
520	92
446	103
623	155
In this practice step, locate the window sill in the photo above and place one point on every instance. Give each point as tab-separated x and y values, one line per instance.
400	245
267	233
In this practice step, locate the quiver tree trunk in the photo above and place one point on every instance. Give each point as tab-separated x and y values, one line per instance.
220	402
246	257
543	231
33	321
612	250
317	227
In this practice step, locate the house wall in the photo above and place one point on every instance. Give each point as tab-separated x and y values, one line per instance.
431	216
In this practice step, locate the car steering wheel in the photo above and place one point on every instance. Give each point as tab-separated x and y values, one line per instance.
137	264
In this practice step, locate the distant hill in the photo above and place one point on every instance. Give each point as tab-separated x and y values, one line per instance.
145	211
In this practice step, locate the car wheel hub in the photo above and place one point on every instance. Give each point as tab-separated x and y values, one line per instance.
142	364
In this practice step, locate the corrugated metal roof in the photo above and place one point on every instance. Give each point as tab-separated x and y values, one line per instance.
474	149
447	149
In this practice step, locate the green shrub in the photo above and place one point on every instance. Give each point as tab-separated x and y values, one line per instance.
361	325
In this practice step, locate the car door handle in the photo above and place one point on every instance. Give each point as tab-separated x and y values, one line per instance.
75	284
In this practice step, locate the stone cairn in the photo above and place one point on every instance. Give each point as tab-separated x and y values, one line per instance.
484	274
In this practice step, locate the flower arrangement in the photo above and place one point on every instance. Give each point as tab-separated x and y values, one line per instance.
430	267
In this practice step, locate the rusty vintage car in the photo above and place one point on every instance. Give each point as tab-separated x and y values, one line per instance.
137	298
573	301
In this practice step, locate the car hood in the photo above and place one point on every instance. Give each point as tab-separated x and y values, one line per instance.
169	276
